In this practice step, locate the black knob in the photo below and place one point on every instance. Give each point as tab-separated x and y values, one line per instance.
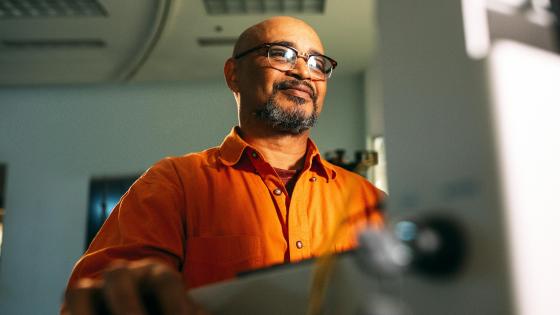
437	244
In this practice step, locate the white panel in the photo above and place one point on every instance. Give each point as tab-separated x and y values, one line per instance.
477	38
440	151
526	104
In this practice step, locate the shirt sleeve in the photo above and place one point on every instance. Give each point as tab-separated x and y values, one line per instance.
148	222
376	214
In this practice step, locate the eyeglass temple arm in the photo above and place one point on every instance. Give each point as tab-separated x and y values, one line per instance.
239	55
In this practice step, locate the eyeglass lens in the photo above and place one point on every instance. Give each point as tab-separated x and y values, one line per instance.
285	58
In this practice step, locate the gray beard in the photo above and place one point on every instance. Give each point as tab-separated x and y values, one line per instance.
293	121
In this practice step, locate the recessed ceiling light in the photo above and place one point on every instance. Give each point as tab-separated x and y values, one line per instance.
15	9
243	7
42	44
216	41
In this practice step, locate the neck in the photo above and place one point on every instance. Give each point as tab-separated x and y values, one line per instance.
281	150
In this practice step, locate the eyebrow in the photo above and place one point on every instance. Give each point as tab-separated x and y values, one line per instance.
287	43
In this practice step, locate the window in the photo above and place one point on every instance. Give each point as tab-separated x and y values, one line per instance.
104	194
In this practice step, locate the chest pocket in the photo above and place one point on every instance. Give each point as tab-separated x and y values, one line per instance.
216	258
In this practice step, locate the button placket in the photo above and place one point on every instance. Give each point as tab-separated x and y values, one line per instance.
263	170
298	221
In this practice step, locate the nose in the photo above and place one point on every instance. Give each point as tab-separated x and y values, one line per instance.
300	70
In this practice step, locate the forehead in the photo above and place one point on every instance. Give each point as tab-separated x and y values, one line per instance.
298	35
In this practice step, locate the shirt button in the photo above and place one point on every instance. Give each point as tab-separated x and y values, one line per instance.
313	179
254	155
299	244
277	191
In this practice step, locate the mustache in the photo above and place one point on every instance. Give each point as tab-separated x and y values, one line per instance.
288	84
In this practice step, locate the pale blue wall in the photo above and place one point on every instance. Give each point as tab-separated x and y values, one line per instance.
55	139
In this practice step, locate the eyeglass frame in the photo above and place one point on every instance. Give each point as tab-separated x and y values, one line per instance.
304	56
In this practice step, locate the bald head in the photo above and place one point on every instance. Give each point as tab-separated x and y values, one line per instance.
264	31
271	97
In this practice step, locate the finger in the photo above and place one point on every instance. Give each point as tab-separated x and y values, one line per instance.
84	299
121	292
79	301
168	289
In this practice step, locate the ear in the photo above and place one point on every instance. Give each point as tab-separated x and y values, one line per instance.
231	75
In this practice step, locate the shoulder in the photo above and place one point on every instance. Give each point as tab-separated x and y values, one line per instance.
346	176
188	160
352	180
172	168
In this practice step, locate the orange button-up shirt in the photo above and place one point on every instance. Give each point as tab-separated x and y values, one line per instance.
213	214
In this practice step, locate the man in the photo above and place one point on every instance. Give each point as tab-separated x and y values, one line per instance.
264	197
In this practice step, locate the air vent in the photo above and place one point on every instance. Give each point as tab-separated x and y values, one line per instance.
217	41
53	44
244	7
15	9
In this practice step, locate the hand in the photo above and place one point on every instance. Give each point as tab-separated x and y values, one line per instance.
141	288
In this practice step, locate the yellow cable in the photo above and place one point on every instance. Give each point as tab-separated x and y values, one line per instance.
325	263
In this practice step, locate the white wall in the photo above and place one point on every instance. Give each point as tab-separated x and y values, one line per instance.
342	123
440	151
54	139
373	99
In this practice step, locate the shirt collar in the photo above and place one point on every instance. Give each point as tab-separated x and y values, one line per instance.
232	148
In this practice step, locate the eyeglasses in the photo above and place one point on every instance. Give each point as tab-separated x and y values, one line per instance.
284	58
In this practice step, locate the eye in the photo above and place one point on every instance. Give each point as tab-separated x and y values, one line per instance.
319	63
281	53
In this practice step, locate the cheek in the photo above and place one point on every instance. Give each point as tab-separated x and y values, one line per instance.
251	90
258	85
321	92
269	79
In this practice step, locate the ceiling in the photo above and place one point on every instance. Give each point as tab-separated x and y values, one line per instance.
151	40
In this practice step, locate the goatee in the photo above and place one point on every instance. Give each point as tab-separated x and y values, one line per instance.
293	120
